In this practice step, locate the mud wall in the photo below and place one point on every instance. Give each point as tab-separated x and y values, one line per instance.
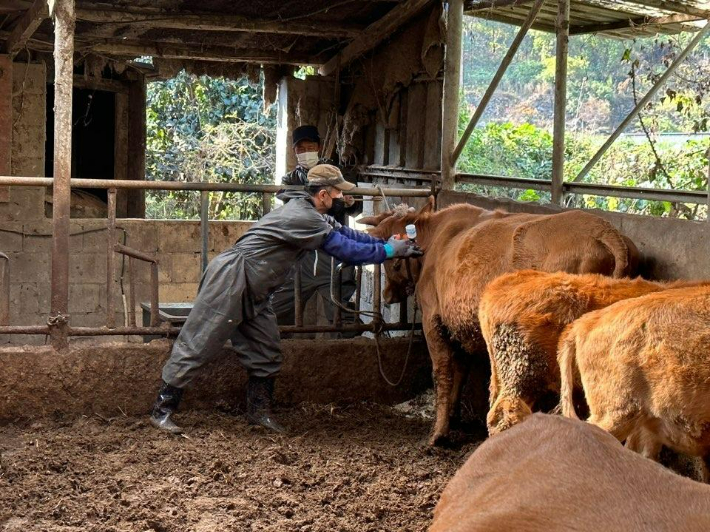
28	135
671	249
392	99
122	378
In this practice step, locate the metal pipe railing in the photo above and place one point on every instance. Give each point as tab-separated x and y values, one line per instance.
63	330
110	260
154	283
180	185
651	194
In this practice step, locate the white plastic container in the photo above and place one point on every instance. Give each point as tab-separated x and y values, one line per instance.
411	231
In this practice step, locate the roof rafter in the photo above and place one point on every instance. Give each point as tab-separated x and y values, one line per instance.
213	22
632	23
26	26
672	6
201	53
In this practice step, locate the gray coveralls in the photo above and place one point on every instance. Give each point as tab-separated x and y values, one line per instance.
283	301
233	301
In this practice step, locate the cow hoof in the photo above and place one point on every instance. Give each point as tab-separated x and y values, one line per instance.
439	440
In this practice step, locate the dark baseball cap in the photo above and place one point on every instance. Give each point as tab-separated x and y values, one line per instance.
305	133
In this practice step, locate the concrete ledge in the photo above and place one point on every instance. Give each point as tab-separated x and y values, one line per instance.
38	381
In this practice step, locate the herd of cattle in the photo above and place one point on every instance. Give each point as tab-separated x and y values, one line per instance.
552	301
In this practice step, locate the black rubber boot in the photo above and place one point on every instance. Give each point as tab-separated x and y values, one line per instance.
167	403
260	393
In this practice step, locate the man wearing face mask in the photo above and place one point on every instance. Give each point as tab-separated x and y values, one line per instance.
315	266
234	298
306	145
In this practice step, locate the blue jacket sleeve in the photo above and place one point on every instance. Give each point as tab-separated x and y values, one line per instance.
359	236
352	251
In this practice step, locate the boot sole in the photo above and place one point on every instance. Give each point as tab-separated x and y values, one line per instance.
170	430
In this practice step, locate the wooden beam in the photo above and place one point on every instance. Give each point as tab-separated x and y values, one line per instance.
560	106
471	6
203	53
632	23
5	122
374	34
450	99
216	22
11	6
108	85
26	26
136	147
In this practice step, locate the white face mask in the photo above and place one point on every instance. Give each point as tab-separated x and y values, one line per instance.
307	159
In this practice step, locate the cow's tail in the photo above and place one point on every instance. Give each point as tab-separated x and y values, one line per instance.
567	354
615	243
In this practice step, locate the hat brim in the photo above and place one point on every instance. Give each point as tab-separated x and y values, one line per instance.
293	145
345	186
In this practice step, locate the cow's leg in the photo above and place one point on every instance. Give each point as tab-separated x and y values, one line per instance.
461	369
442	359
618	424
642	441
705	470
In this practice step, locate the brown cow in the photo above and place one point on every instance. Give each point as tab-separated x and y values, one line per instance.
465	248
551	474
522	315
644	365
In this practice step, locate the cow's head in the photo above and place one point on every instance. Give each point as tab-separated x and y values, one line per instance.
401	275
505	413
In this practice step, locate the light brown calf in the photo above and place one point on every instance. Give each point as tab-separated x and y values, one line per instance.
551	474
644	365
522	315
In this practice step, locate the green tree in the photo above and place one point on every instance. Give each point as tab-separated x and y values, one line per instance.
207	129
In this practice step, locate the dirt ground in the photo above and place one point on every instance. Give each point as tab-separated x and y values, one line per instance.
358	468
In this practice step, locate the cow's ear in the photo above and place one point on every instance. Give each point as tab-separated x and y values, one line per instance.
374	220
428	206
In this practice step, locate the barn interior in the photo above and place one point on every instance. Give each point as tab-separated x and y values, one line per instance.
80	266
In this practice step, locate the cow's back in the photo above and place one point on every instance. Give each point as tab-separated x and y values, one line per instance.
552	474
467	259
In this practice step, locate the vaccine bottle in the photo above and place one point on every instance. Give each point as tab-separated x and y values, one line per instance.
411	232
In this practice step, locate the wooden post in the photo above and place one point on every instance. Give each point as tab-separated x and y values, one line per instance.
204	228
450	100
120	151
558	142
5	122
110	260
63	86
136	146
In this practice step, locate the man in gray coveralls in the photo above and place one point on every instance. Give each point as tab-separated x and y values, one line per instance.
315	266
234	298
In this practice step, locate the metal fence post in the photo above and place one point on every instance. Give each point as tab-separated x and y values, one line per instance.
110	260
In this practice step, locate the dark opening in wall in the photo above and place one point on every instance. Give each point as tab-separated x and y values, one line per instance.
93	128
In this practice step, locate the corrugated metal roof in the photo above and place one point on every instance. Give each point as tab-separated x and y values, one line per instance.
615	18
